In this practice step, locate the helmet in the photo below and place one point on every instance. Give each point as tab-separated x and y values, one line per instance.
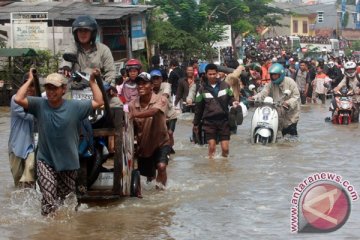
255	66
321	61
277	68
331	64
86	22
133	63
350	69
155	73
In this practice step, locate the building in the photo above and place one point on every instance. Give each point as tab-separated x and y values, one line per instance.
122	26
316	20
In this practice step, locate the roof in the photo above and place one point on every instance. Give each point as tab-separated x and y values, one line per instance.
330	12
17	52
66	11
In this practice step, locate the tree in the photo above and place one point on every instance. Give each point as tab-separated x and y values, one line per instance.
354	46
2	43
245	15
184	25
196	27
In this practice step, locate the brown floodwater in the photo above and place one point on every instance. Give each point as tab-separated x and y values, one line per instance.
245	196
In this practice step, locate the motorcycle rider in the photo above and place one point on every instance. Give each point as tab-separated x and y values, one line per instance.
289	112
90	54
334	72
351	81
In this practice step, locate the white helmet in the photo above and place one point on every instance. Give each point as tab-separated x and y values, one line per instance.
350	69
331	64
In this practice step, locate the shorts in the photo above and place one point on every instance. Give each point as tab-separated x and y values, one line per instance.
216	129
23	170
171	123
147	165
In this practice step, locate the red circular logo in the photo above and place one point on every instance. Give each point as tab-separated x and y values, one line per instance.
326	207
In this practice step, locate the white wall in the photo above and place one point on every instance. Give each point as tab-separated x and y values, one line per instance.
63	37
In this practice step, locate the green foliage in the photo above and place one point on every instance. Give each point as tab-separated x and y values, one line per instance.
355	46
194	28
2	43
45	63
185	26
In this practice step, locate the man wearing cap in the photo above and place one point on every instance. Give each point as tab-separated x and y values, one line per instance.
58	125
153	143
21	141
164	88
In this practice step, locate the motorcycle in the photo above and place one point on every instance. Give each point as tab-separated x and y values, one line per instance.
265	121
342	107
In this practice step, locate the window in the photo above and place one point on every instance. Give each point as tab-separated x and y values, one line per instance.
305	26
354	14
320	16
295	26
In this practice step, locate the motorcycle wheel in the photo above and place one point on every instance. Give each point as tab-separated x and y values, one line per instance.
345	120
264	140
135	187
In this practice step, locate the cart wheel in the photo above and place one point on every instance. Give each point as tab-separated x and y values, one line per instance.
135	188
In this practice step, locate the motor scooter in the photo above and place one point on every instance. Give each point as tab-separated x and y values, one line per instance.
342	107
265	121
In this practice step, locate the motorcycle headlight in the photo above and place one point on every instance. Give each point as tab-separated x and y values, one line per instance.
345	105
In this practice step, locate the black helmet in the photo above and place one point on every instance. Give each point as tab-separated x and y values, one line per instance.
87	22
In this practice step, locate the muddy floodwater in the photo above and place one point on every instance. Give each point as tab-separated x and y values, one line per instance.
245	196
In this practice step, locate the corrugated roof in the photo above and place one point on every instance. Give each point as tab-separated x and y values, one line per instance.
65	11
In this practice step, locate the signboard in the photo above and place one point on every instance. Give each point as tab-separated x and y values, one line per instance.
226	38
29	30
138	32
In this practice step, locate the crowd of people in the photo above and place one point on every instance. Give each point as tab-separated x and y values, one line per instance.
218	96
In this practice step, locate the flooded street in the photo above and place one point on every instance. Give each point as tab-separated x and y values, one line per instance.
242	197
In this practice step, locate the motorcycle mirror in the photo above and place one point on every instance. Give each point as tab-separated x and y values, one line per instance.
70	57
251	87
287	92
